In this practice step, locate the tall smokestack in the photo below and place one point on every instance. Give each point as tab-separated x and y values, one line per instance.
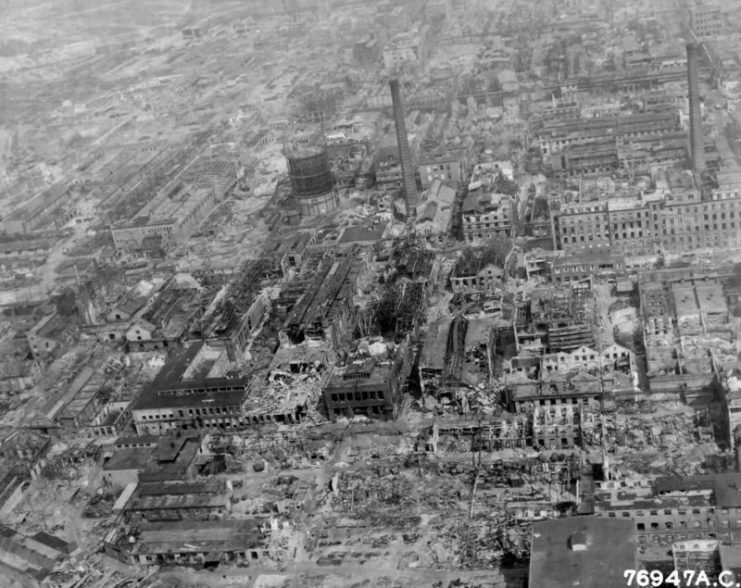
407	170
697	143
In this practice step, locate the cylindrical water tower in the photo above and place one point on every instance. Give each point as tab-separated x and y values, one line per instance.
312	181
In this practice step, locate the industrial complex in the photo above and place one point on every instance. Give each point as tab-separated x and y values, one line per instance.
384	294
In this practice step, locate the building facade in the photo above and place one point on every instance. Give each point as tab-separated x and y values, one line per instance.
646	225
370	388
449	167
487	215
706	21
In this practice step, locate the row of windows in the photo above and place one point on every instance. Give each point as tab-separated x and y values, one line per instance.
670	538
555	401
586	268
434	168
593	232
667	511
627	514
577	217
489	217
495	224
472	237
357	396
140	231
668	525
222	422
669	239
191	412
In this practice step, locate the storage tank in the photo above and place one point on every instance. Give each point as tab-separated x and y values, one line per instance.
312	181
309	170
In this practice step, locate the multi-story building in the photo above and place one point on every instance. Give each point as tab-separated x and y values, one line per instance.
477	275
677	509
732	402
450	167
653	223
613	357
707	21
406	48
183	397
557	135
369	387
110	421
587	266
557	427
487	215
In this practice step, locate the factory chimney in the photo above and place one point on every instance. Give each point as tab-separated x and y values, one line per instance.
407	169
697	143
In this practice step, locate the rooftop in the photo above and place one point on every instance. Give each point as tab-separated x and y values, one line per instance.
212	536
175	501
359	234
483	202
582	551
589	257
171	389
726	487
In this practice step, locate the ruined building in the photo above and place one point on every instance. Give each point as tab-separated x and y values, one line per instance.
369	386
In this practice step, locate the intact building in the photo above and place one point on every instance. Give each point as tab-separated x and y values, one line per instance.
449	167
706	21
186	394
581	551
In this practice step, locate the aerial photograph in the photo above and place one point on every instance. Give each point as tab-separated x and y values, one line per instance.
370	293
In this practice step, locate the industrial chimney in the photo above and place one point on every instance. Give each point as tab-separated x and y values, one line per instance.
407	169
697	143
